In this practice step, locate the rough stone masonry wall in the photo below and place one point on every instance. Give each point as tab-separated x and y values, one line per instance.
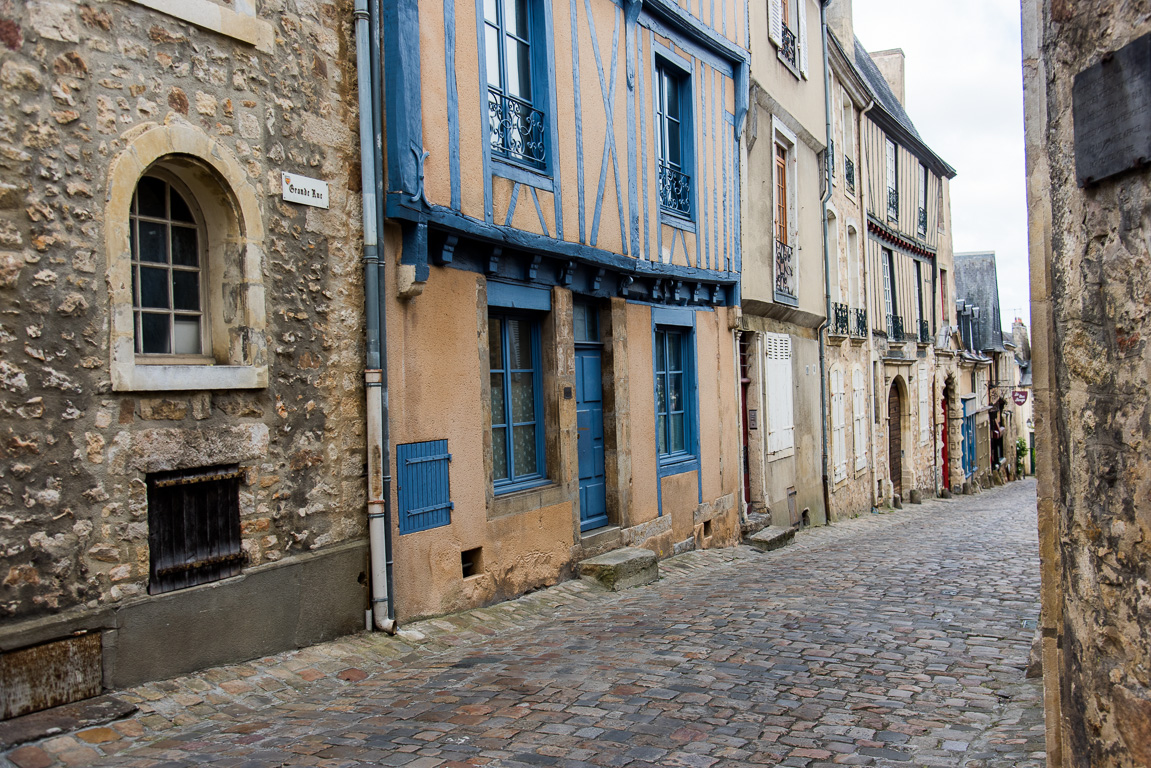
1092	315
76	79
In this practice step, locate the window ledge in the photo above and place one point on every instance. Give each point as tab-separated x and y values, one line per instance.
679	466
676	220
785	453
518	501
175	378
509	169
216	18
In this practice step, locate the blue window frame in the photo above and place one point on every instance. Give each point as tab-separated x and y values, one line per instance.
675	416
517	403
674	130
516	122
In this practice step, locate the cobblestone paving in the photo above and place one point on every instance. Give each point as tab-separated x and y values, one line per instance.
889	640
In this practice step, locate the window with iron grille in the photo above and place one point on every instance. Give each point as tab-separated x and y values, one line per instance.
193	527
673	123
516	122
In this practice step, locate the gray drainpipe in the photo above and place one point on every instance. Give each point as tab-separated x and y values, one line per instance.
826	264
382	615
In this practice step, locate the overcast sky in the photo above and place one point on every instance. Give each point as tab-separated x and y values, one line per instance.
965	96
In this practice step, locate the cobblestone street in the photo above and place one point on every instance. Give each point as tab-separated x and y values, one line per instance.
893	639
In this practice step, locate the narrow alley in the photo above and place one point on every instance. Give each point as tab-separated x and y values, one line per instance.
892	639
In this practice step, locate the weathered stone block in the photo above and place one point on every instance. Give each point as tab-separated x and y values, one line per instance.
915	497
621	569
770	538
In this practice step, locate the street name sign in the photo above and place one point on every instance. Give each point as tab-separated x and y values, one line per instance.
301	189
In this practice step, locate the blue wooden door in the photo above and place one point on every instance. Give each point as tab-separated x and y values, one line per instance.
589	423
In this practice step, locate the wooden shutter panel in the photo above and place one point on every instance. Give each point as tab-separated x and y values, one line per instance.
775	25
859	409
787	419
802	36
423	490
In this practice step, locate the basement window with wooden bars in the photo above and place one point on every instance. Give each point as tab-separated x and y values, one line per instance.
193	527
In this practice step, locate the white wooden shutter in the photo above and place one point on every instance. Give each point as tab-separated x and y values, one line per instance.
924	406
838	426
775	22
859	414
781	431
802	38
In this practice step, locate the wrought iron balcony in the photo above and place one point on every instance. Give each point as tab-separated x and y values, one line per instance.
894	328
859	323
788	51
849	173
839	322
785	271
924	332
517	129
893	203
674	190
923	221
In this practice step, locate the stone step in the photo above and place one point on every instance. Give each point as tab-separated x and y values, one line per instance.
771	537
620	568
755	522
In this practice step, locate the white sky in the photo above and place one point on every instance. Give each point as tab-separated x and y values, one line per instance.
964	92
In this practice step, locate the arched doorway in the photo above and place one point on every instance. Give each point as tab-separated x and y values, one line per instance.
895	439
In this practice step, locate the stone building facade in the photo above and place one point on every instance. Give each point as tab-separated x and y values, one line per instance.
171	327
1089	249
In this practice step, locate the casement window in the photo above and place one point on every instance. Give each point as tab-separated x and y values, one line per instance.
838	426
784	214
787	29
922	329
945	313
848	144
892	182
169	270
889	297
922	200
780	396
925	411
674	419
674	130
859	416
193	527
516	88
514	361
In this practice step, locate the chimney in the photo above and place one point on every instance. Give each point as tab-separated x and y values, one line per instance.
890	64
840	23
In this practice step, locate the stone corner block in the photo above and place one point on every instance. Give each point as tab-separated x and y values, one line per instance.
621	568
770	538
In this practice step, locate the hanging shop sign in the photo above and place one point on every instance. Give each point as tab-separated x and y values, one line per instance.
1019	396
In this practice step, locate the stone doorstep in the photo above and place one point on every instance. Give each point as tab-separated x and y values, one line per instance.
770	538
621	568
62	719
755	522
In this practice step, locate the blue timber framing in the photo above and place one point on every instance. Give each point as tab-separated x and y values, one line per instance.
684	318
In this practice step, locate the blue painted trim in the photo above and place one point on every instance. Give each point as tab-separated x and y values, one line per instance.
630	52
518	296
539	477
678	464
540	212
728	159
682	317
607	92
578	123
677	222
653	45
553	112
403	94
453	101
502	488
642	106
522	175
703	168
512	204
715	129
485	128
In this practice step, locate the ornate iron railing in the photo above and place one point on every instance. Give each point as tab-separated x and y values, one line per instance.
838	319
859	323
849	173
923	221
517	129
893	203
924	332
894	328
785	270
830	160
788	51
674	190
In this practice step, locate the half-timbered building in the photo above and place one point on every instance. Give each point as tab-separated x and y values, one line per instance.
563	250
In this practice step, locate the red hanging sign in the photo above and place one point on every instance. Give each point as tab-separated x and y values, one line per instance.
1019	396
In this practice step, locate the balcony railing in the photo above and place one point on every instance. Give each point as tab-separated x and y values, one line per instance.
894	328
924	332
830	160
849	173
785	271
674	190
923	221
517	129
859	323
893	203
839	319
788	50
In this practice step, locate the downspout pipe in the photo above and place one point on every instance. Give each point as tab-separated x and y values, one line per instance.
826	263
374	371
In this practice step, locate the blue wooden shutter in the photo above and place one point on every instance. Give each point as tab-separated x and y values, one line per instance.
422	487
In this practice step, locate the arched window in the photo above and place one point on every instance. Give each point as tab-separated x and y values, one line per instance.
169	268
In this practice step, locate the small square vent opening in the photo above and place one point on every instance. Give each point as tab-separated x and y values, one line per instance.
472	562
